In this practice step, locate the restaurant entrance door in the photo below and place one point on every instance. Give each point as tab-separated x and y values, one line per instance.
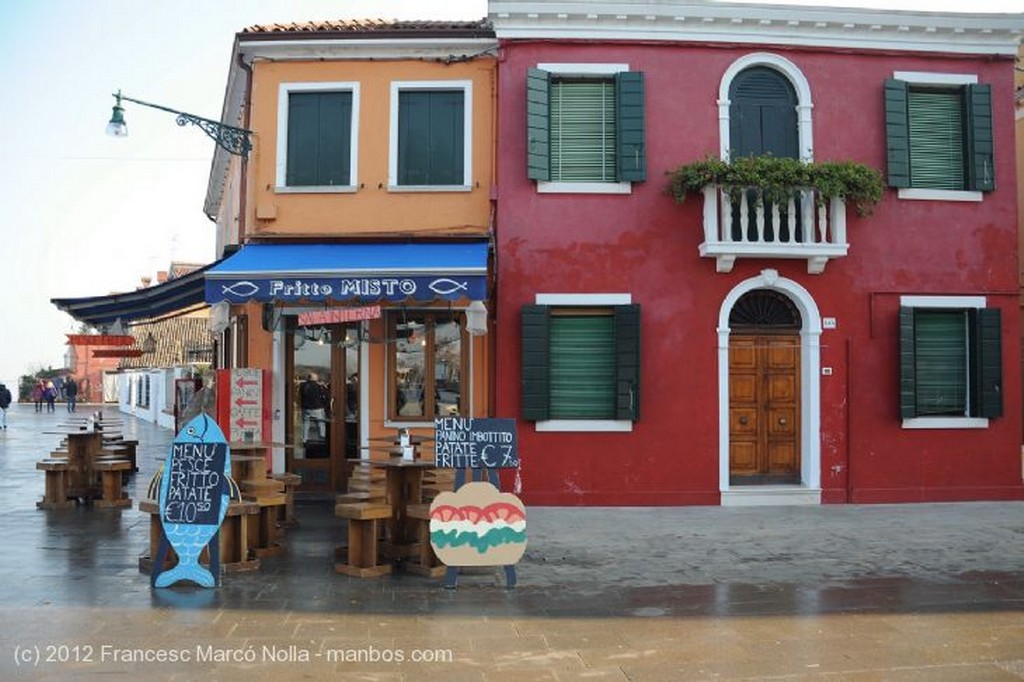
323	406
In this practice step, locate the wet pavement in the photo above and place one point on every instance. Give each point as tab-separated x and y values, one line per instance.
843	592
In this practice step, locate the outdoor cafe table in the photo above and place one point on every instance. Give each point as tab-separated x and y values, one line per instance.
85	466
403	487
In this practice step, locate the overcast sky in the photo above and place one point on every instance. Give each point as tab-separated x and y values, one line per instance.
84	214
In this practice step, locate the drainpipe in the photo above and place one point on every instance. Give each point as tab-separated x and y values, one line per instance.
243	183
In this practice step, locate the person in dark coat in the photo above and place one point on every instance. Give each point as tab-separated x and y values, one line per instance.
71	392
5	402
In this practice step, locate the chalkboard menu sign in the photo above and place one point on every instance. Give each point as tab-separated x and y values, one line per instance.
468	442
195	484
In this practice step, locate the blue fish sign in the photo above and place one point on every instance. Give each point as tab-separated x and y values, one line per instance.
194	496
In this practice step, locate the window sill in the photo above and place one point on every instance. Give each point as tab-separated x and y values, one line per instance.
612	425
544	187
945	423
430	188
319	189
939	195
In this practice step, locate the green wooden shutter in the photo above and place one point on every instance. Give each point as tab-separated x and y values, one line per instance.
630	151
908	363
627	362
583	374
941	349
981	170
335	138
319	139
431	137
988	351
897	133
583	130
303	129
936	139
538	143
536	360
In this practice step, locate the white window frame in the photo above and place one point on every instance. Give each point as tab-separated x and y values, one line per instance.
952	302
953	80
585	425
281	168
467	143
557	187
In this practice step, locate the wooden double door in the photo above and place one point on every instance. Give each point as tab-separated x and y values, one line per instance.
764	408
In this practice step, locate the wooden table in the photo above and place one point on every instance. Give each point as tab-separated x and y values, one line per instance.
89	473
403	487
250	473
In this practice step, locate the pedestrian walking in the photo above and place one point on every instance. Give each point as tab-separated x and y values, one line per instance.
5	402
50	396
71	392
37	394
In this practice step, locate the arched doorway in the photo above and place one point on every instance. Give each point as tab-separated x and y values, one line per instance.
764	390
756	315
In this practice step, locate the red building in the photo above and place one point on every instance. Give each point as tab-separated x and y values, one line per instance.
714	353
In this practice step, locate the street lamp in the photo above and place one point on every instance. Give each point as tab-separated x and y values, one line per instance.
234	140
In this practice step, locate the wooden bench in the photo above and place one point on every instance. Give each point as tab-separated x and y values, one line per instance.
123	450
234	538
361	558
425	561
55	495
111	472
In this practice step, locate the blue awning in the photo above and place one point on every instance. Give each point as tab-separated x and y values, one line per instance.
175	296
357	272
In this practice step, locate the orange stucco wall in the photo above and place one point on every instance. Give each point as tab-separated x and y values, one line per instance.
371	209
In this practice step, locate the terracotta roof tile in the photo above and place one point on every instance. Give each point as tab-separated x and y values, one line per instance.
179	340
373	26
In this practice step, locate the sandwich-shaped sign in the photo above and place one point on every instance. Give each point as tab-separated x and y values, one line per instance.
478	526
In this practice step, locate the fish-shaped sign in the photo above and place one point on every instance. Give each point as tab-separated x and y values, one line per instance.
194	497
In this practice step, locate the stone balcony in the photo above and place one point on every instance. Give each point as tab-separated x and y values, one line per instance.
802	227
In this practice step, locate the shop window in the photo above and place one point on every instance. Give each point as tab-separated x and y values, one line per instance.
581	366
585	127
950	363
427	362
939	136
431	141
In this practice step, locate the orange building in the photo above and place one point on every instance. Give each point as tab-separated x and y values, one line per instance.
357	230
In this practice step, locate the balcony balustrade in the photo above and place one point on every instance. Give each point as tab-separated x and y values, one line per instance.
802	227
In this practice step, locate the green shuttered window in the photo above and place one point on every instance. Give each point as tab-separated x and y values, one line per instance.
585	129
950	362
431	137
939	137
581	363
319	139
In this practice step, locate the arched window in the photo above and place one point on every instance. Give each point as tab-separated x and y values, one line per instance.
765	106
762	114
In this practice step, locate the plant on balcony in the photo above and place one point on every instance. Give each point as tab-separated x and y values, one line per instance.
776	179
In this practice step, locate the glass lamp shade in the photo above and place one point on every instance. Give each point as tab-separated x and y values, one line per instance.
117	127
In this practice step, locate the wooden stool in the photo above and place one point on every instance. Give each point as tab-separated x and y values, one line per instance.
425	561
360	558
55	495
290	483
111	473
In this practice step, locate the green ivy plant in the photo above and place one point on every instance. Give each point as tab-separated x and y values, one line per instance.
776	179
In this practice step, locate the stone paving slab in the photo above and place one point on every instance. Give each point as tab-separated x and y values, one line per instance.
851	592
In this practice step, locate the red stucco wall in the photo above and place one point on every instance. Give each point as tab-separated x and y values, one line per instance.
646	245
